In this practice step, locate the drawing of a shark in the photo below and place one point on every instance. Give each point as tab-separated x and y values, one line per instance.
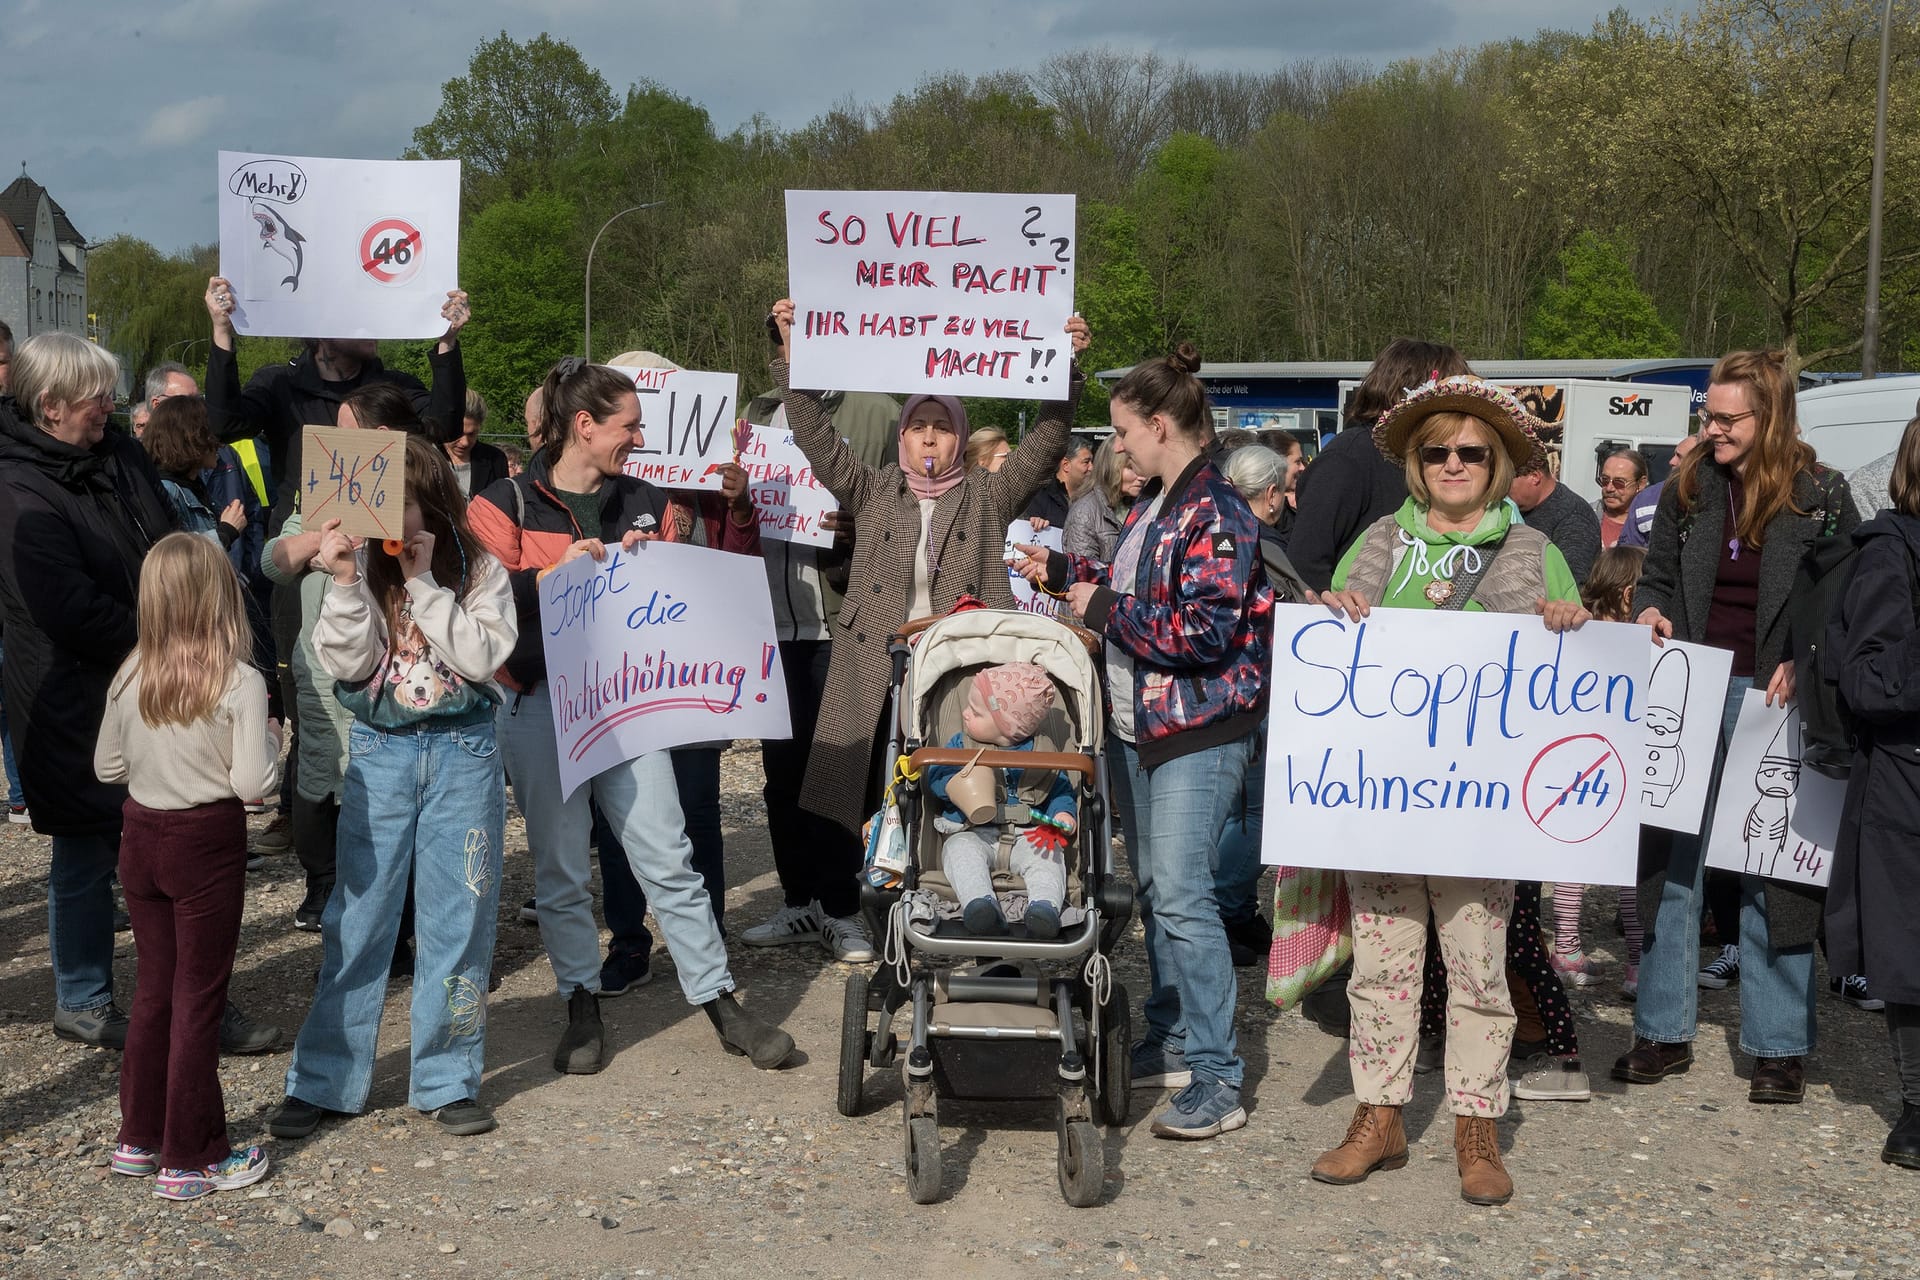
278	237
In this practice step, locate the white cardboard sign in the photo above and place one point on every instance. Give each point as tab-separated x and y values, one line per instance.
1460	744
323	248
657	648
687	426
1673	758
949	293
1773	818
1025	597
790	499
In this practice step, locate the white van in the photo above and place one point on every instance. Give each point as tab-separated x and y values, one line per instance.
1850	424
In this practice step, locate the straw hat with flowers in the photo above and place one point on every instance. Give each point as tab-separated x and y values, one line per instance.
1464	393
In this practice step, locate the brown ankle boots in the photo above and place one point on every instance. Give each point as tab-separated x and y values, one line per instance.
1476	1146
1375	1140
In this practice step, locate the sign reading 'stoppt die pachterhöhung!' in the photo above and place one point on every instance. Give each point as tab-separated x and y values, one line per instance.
1461	744
325	248
655	648
950	293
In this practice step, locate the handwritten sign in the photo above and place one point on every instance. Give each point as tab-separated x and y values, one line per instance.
657	648
1461	744
1773	818
1024	596
356	477
943	292
791	500
319	247
686	426
1673	757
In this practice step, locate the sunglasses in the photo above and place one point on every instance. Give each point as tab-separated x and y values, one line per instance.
1470	455
1615	482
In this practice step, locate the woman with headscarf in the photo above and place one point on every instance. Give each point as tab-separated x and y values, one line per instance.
926	532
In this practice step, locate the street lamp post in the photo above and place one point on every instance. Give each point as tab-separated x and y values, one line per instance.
1870	330
651	204
187	345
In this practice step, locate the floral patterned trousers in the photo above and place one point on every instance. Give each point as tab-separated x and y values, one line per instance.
1389	954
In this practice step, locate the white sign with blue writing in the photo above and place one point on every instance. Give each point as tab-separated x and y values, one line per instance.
1457	744
655	648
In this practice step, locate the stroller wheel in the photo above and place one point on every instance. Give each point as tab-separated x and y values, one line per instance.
1082	1163
923	1159
1115	1085
853	1045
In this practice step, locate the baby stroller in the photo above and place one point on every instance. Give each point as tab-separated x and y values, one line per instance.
1004	1017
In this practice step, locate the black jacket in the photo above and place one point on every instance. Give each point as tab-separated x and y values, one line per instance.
283	398
1050	504
489	467
1348	487
74	526
1873	897
1570	524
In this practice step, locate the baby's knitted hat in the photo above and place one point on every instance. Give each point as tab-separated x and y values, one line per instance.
1018	696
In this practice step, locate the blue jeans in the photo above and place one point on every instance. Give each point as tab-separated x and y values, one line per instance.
642	807
1776	986
16	798
427	808
80	920
1172	817
1238	875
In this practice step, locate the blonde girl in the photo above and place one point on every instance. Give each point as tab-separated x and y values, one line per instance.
186	730
411	630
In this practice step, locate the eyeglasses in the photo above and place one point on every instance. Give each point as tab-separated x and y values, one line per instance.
1708	418
1615	482
1470	455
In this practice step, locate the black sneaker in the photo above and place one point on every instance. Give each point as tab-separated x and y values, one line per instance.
624	971
1853	989
529	912
582	1045
240	1034
464	1118
400	968
103	1028
306	916
296	1118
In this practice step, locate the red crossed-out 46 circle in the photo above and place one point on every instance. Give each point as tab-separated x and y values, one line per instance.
390	251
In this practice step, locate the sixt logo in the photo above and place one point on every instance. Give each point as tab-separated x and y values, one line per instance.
277	180
1633	406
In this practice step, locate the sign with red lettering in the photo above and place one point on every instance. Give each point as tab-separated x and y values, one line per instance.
950	293
790	499
686	426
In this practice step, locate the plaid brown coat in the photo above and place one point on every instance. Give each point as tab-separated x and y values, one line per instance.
968	538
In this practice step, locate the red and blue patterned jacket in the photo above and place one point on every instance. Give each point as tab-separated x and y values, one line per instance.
1197	618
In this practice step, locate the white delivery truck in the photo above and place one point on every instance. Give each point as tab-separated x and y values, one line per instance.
1852	423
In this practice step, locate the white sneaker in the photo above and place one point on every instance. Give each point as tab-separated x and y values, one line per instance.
848	940
1545	1078
788	924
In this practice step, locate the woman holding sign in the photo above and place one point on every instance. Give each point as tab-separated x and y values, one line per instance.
1454	544
1188	619
926	532
1727	538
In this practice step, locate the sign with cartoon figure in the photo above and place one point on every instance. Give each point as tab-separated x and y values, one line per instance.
1773	818
323	248
1460	744
1674	767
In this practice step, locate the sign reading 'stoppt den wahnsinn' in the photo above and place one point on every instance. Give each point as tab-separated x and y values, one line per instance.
1461	744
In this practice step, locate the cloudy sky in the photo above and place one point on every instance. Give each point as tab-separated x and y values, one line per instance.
118	106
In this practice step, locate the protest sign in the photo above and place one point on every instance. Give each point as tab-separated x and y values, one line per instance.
1025	597
1673	757
949	293
356	477
656	648
790	499
1773	818
687	423
1459	744
322	248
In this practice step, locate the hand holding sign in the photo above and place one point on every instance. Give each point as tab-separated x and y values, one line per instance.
357	477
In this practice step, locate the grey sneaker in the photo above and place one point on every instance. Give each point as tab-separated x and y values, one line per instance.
103	1028
1203	1109
241	1034
848	940
788	924
1159	1066
1545	1078
464	1118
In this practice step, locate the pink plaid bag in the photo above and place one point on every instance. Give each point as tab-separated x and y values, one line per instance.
1312	932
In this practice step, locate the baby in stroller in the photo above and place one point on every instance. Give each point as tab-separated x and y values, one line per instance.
1005	707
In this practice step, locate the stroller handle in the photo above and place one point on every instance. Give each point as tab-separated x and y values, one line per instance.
914	626
1062	761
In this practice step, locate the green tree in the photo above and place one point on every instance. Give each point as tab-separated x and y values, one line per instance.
520	260
1596	310
1116	296
516	114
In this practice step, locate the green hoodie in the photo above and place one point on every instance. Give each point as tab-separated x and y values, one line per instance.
1434	557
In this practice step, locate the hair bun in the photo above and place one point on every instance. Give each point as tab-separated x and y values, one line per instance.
1185	358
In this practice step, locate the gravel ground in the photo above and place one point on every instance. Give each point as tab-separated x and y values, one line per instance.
680	1161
